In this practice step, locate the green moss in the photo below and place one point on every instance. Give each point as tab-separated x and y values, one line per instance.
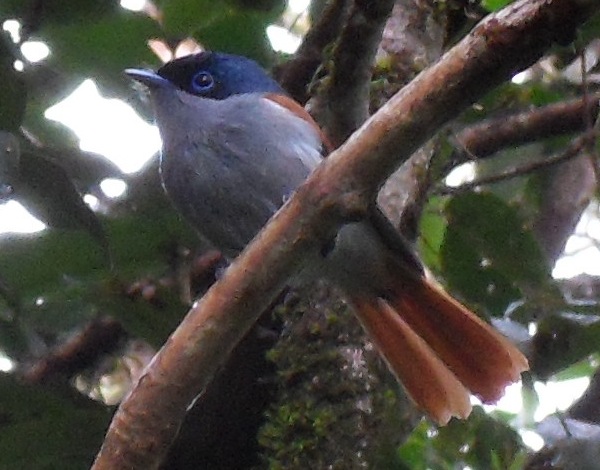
337	405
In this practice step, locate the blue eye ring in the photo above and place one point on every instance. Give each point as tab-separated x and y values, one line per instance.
202	82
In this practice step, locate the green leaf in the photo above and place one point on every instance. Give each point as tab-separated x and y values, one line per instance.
44	188
273	7
585	368
9	163
496	229
479	442
13	94
432	228
239	32
56	11
70	304
414	452
44	429
234	26
85	169
465	271
15	342
487	253
137	242
64	279
59	253
103	47
495	5
561	341
184	17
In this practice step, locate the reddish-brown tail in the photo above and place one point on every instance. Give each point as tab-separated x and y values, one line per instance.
438	349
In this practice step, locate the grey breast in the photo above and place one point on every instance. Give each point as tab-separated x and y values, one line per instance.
239	159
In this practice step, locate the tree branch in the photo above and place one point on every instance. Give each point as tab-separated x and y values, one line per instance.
557	216
97	339
342	104
412	40
296	74
572	151
581	287
342	188
488	137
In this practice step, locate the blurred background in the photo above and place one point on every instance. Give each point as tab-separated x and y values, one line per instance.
96	268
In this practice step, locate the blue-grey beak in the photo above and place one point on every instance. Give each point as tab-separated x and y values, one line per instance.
148	77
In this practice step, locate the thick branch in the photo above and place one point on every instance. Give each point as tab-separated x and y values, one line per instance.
342	187
343	103
412	40
296	74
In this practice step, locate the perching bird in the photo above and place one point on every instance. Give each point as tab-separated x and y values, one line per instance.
235	147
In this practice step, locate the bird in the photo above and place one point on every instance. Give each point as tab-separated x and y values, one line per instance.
235	146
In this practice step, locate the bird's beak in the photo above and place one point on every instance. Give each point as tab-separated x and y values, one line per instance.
148	77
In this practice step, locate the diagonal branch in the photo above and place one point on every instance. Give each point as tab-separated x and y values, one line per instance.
341	188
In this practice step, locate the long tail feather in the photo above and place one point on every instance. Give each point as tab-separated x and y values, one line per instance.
482	359
431	385
437	348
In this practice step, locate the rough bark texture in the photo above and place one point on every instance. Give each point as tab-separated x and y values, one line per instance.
337	406
412	40
342	103
296	74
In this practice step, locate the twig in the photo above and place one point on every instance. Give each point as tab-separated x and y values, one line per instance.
98	338
341	188
573	150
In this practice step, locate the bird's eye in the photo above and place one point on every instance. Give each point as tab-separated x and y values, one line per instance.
202	82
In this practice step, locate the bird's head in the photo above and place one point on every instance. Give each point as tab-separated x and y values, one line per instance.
210	75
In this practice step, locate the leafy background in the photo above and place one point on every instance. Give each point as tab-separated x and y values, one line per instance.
85	302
